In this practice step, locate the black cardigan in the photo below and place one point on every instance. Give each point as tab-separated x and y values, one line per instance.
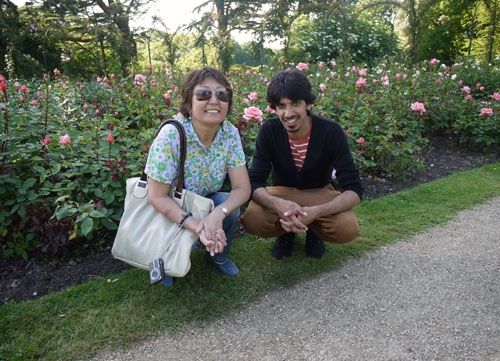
328	149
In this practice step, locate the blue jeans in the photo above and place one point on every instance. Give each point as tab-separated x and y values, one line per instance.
228	225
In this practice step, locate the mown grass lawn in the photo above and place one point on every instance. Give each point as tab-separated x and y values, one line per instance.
122	309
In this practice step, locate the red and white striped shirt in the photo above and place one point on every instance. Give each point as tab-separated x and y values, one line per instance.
299	149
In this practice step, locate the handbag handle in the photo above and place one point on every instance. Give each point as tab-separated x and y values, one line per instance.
143	181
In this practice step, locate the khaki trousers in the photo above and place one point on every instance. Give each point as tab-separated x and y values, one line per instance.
336	228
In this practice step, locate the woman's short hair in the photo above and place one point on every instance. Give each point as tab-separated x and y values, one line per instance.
291	84
196	77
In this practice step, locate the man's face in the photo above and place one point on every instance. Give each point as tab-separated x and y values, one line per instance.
293	116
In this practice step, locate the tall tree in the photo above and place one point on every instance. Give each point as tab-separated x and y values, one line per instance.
9	32
412	13
222	18
109	18
492	26
443	31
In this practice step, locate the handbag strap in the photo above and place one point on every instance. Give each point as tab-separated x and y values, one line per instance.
182	135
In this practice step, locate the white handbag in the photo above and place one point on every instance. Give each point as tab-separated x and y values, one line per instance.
144	234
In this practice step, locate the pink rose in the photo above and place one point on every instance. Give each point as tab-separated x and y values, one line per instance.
110	139
361	82
486	112
65	139
253	96
46	140
253	113
270	110
139	79
466	89
418	107
178	116
434	61
361	140
302	66
496	96
322	87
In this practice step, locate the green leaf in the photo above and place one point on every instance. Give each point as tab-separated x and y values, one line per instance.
108	197
63	212
30	182
56	168
39	169
96	214
106	222
87	226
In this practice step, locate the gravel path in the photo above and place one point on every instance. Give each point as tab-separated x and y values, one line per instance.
435	296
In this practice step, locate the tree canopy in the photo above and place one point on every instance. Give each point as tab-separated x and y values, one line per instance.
86	38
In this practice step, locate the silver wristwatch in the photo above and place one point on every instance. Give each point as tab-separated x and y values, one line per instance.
224	210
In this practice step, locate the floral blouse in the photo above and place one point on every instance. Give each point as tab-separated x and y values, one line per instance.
205	169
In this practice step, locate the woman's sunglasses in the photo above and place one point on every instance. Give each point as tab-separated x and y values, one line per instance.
204	95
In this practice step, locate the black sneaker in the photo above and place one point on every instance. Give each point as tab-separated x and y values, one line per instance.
315	247
283	246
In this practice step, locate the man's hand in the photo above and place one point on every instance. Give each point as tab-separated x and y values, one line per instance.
293	217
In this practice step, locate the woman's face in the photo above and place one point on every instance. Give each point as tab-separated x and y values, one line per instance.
210	102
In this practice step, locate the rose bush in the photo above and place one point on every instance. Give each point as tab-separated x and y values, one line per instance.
68	146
